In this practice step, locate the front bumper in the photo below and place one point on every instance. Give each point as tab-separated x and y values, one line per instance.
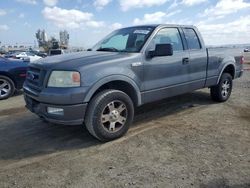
73	114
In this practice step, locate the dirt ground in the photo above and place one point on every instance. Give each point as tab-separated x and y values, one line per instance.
185	141
246	57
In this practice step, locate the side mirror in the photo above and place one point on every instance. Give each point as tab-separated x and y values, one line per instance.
161	50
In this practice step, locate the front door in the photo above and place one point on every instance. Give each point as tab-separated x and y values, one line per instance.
166	76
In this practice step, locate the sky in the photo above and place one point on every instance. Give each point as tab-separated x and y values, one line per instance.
220	21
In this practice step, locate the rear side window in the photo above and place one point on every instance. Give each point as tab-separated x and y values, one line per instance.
192	39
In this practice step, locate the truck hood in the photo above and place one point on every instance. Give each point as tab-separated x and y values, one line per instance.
75	60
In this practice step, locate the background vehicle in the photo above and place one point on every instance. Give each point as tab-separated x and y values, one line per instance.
55	52
38	53
246	50
130	67
12	76
11	54
24	55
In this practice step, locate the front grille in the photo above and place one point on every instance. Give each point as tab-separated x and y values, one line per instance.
35	78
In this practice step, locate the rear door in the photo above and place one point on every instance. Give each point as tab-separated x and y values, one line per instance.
197	63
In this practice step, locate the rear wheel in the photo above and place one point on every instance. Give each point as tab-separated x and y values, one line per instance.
7	87
222	91
109	115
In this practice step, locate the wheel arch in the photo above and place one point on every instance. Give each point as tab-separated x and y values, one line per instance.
9	76
119	82
228	68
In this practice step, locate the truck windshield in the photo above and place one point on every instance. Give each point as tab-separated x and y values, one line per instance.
125	40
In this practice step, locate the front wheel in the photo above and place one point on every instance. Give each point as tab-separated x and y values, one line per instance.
109	115
222	91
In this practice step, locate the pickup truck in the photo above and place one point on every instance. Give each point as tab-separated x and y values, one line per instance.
132	66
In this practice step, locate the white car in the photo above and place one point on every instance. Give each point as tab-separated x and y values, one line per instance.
247	50
27	55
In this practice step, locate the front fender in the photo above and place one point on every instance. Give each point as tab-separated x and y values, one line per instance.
111	78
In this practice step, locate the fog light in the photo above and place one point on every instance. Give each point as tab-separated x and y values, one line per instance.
55	111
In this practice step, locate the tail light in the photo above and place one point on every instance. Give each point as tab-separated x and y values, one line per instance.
242	60
22	75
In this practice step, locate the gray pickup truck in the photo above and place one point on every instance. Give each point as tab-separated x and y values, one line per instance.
130	67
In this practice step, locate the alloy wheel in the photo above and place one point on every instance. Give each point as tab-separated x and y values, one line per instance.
5	88
114	116
225	88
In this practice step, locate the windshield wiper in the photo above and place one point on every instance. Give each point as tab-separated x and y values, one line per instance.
111	49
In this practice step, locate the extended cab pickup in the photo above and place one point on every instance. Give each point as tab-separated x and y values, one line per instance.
130	67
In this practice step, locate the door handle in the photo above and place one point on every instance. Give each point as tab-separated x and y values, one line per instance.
185	60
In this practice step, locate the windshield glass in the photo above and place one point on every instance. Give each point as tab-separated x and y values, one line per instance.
125	40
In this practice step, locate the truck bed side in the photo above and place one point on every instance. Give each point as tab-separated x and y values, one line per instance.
218	60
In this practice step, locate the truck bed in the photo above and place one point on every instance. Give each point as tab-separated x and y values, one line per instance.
216	59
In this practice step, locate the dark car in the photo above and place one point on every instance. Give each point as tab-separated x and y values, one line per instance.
10	54
12	76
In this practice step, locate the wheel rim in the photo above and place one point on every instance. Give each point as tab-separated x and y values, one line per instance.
5	88
225	88
114	116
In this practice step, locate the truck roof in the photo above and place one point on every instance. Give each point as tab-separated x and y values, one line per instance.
161	25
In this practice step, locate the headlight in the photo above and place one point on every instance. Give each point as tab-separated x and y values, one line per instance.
64	79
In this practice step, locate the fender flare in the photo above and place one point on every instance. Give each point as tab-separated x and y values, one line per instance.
224	67
111	78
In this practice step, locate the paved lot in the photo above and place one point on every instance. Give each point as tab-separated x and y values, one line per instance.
185	141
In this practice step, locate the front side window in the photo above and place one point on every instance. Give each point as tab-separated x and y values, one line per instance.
168	36
192	39
125	40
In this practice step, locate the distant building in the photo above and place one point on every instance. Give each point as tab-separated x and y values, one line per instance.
42	38
52	43
64	39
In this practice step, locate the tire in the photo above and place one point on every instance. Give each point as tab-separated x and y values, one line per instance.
222	91
109	115
7	87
